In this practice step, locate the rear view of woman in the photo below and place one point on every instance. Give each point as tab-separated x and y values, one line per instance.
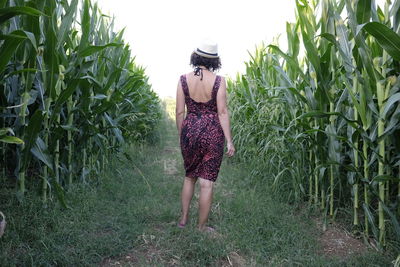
204	129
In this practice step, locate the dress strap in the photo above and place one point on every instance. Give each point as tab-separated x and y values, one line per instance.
217	84
184	84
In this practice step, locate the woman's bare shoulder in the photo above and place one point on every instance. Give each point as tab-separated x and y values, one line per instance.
186	75
223	80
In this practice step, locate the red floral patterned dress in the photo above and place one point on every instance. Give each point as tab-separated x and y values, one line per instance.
202	139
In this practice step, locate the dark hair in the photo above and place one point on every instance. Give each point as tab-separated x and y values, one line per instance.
211	64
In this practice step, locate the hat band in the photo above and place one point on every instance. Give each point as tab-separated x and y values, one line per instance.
207	54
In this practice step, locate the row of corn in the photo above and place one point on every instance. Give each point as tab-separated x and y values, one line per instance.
70	94
323	116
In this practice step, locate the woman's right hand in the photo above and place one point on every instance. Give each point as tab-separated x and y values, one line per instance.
231	149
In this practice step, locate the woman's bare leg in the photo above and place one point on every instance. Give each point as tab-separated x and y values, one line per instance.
205	200
187	195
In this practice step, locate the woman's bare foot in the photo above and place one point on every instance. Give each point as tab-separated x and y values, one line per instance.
207	229
183	221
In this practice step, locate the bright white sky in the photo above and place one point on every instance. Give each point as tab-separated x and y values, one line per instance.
162	34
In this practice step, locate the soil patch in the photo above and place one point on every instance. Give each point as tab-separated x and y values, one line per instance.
170	167
147	253
337	242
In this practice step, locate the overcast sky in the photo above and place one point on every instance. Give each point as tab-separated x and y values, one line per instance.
162	34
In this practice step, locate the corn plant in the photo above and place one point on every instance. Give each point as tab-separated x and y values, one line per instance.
70	94
326	124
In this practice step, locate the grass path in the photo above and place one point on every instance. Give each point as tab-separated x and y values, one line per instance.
253	229
129	219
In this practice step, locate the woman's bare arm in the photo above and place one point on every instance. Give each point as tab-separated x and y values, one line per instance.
180	107
224	116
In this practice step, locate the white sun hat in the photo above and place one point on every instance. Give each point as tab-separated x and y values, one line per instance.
207	48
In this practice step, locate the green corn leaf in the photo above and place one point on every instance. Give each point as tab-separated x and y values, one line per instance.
65	94
9	12
116	130
39	150
308	32
4	131
396	263
60	194
51	58
363	49
66	23
291	61
31	38
330	37
14	35
20	72
387	38
10	45
112	79
344	43
90	50
390	102
99	96
11	140
363	11
385	178
19	34
342	35
393	219
297	93
284	76
321	114
371	220
85	26
70	128
394	12
277	177
32	131
292	36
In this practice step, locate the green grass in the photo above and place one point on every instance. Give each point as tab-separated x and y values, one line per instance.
134	211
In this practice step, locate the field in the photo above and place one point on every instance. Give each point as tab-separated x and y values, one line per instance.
130	219
91	170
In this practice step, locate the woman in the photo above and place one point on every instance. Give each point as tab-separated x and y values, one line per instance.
204	129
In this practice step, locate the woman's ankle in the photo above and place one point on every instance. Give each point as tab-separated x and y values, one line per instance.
183	219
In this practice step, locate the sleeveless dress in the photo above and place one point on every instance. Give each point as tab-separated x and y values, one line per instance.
202	139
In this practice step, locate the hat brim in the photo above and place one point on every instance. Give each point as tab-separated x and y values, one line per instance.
205	54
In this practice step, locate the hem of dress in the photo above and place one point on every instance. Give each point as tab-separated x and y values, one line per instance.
192	177
208	179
